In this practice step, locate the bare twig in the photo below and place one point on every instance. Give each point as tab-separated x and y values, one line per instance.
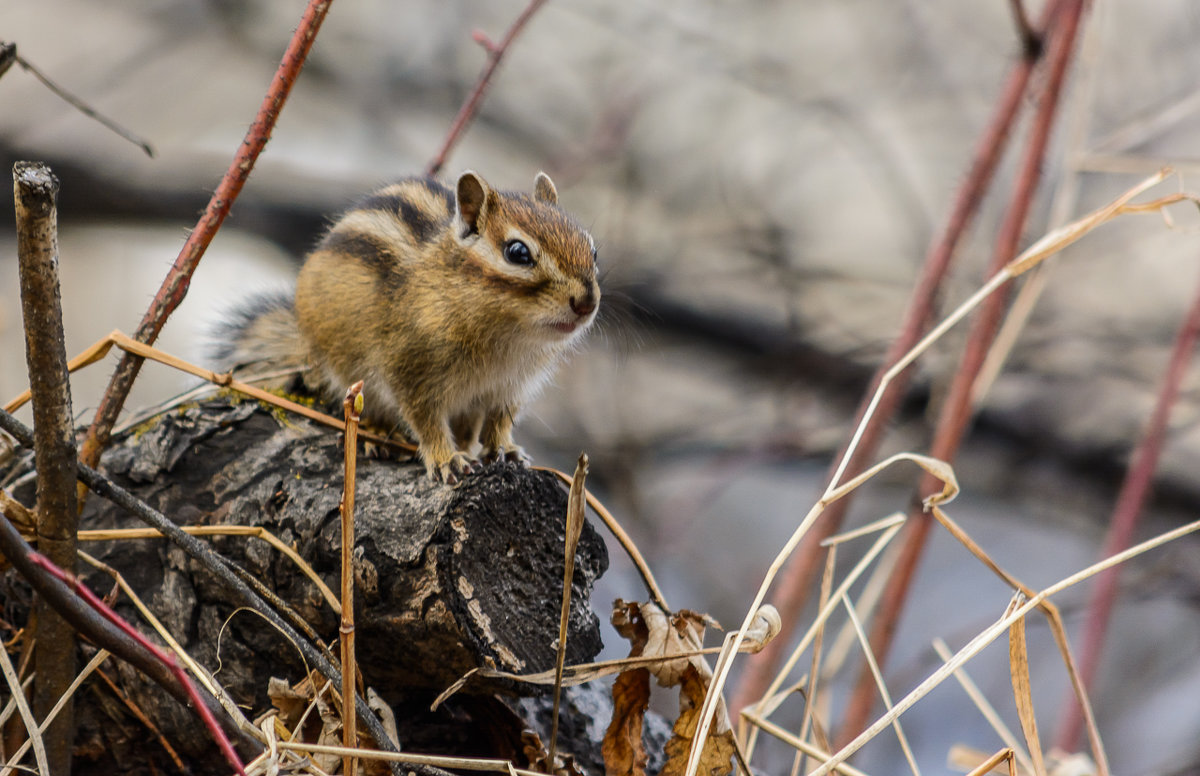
35	190
796	583
352	407
1125	515
574	528
495	52
957	409
9	55
175	286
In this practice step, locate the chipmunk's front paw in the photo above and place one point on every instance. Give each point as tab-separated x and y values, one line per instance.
458	466
510	453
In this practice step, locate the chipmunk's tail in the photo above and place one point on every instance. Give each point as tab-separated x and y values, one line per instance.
259	336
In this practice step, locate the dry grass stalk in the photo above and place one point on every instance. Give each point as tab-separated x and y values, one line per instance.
773	696
574	529
988	765
889	529
352	407
124	342
461	763
990	634
10	708
986	709
1048	245
31	726
622	537
877	675
1057	628
92	665
814	671
1018	663
881	400
800	744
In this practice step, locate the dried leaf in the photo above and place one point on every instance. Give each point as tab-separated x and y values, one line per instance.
290	700
653	633
624	754
717	755
766	626
1018	661
627	619
622	749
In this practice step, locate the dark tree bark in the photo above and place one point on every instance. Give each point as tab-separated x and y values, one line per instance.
448	578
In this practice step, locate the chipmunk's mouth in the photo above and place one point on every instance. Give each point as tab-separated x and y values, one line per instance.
566	327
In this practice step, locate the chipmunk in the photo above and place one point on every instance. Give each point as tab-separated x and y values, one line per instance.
451	305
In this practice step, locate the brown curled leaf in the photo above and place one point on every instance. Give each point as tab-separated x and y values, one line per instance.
624	754
622	749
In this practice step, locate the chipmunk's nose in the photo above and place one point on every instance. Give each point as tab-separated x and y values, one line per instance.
584	306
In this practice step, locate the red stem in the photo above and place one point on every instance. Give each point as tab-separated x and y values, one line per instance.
957	409
1124	520
797	580
467	112
166	659
175	286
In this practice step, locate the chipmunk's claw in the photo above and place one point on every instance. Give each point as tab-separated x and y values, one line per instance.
452	471
511	454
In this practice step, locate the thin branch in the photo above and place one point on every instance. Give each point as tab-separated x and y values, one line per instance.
1125	515
495	52
175	286
9	55
957	409
797	582
35	190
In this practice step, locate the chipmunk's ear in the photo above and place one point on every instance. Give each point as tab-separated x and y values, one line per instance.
543	189
472	198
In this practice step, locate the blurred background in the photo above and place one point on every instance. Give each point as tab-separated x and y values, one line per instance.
763	180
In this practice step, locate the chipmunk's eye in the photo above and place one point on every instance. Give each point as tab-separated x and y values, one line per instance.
517	252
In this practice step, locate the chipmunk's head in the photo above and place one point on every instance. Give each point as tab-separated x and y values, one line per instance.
540	263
